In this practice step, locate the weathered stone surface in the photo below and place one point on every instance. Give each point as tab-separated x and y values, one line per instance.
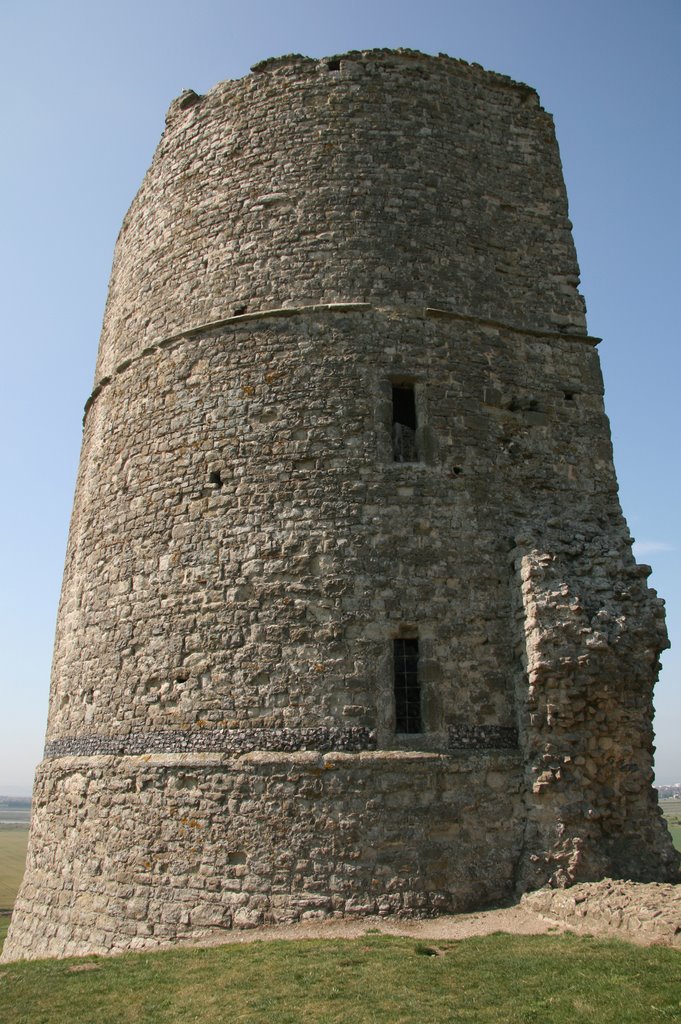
245	547
160	846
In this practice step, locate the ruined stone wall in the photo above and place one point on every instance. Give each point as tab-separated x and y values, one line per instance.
244	549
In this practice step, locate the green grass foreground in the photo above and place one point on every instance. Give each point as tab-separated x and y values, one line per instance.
500	979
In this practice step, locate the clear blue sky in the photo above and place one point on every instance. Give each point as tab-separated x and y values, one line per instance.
85	87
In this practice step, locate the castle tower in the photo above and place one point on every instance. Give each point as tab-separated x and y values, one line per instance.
350	621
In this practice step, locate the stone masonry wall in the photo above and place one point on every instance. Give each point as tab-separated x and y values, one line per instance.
244	548
269	600
138	852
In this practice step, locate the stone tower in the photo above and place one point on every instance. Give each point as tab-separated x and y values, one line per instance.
350	621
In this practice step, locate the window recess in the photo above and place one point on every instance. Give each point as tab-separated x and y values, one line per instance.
407	685
404	423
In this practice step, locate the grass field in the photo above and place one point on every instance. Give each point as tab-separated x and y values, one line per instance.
498	979
12	857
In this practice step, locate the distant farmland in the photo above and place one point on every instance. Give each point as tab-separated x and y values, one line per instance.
13	842
14	820
672	812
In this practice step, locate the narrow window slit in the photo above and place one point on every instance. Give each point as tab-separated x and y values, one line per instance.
404	423
215	478
569	396
407	686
